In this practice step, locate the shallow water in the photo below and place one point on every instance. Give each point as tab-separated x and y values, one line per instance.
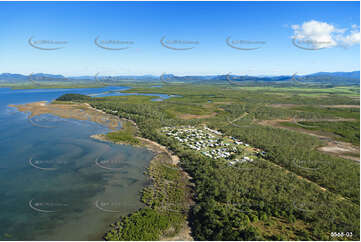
119	93
56	183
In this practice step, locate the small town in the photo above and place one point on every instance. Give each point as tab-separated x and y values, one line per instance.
213	143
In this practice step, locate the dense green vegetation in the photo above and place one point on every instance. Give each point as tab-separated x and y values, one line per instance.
349	113
343	131
145	224
166	210
73	97
287	149
126	134
294	193
270	95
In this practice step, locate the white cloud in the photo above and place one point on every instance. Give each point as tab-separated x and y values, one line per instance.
317	35
349	40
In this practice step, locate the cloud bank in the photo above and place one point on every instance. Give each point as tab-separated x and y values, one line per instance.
320	35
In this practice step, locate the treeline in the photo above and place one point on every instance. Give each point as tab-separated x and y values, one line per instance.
73	97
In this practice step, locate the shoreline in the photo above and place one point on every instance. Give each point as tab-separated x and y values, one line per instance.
38	108
185	232
77	111
146	143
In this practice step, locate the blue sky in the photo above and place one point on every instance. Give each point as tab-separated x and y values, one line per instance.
331	28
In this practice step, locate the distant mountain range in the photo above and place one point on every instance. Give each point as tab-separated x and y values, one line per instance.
349	78
15	78
353	74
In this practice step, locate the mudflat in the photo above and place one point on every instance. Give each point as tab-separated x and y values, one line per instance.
78	111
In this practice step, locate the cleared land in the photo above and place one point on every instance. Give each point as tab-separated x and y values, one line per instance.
334	147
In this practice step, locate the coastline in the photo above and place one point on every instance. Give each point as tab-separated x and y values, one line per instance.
185	233
77	111
85	111
147	143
